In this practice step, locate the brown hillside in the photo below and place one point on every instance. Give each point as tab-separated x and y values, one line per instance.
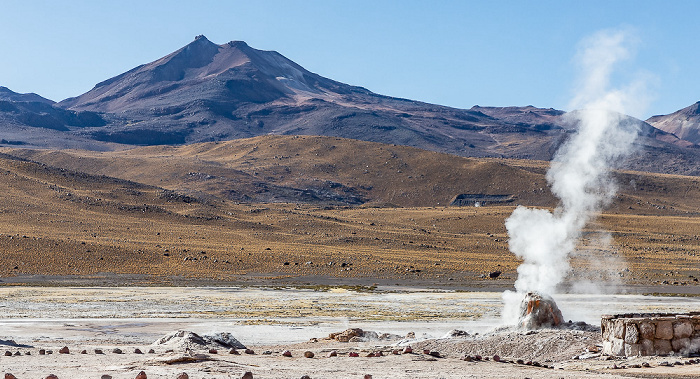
166	215
323	170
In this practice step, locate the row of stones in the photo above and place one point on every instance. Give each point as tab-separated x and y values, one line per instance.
653	336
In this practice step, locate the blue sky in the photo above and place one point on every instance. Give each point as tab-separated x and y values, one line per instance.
455	53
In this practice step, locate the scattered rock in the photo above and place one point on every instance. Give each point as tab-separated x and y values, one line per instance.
83	351
267	352
407	350
64	350
183	375
117	351
494	274
353	354
305	377
151	351
183	339
224	339
10	376
105	376
42	352
213	351
52	376
287	353
247	375
141	375
99	351
308	354
368	376
346	335
234	352
138	351
496	358
332	354
395	352
457	333
249	351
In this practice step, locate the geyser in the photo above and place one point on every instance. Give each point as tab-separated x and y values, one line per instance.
579	175
538	310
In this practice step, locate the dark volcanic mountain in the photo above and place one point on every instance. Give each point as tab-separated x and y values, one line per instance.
684	124
29	119
7	95
208	92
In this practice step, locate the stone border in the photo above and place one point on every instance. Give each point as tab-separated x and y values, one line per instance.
651	334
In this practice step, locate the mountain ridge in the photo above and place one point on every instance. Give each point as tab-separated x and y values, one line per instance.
683	123
206	92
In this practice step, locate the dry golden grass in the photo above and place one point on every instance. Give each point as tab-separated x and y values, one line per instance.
159	223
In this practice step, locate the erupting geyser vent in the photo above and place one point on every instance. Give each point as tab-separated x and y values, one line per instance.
539	311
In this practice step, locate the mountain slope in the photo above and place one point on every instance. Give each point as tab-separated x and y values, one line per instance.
29	119
207	92
336	171
684	123
8	95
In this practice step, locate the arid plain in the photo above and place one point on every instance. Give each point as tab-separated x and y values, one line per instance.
234	213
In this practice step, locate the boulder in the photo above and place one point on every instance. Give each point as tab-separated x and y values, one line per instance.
662	347
682	329
183	339
346	335
664	330
647	330
631	334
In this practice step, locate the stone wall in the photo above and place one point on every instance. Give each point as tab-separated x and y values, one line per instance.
651	334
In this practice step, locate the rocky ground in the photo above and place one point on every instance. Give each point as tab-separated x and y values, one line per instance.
567	353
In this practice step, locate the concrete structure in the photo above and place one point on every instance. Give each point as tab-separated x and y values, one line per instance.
651	334
479	200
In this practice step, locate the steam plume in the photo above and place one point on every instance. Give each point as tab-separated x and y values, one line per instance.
580	172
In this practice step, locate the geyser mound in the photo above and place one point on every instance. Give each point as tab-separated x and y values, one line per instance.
539	311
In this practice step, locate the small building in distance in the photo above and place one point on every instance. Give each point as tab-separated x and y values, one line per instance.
479	200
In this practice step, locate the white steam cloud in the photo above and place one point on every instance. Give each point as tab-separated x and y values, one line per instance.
580	172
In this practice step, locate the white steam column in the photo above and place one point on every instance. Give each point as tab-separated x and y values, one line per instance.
579	175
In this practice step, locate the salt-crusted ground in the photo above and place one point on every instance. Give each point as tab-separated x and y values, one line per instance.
272	321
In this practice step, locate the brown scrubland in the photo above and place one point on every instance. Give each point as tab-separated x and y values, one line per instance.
286	210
